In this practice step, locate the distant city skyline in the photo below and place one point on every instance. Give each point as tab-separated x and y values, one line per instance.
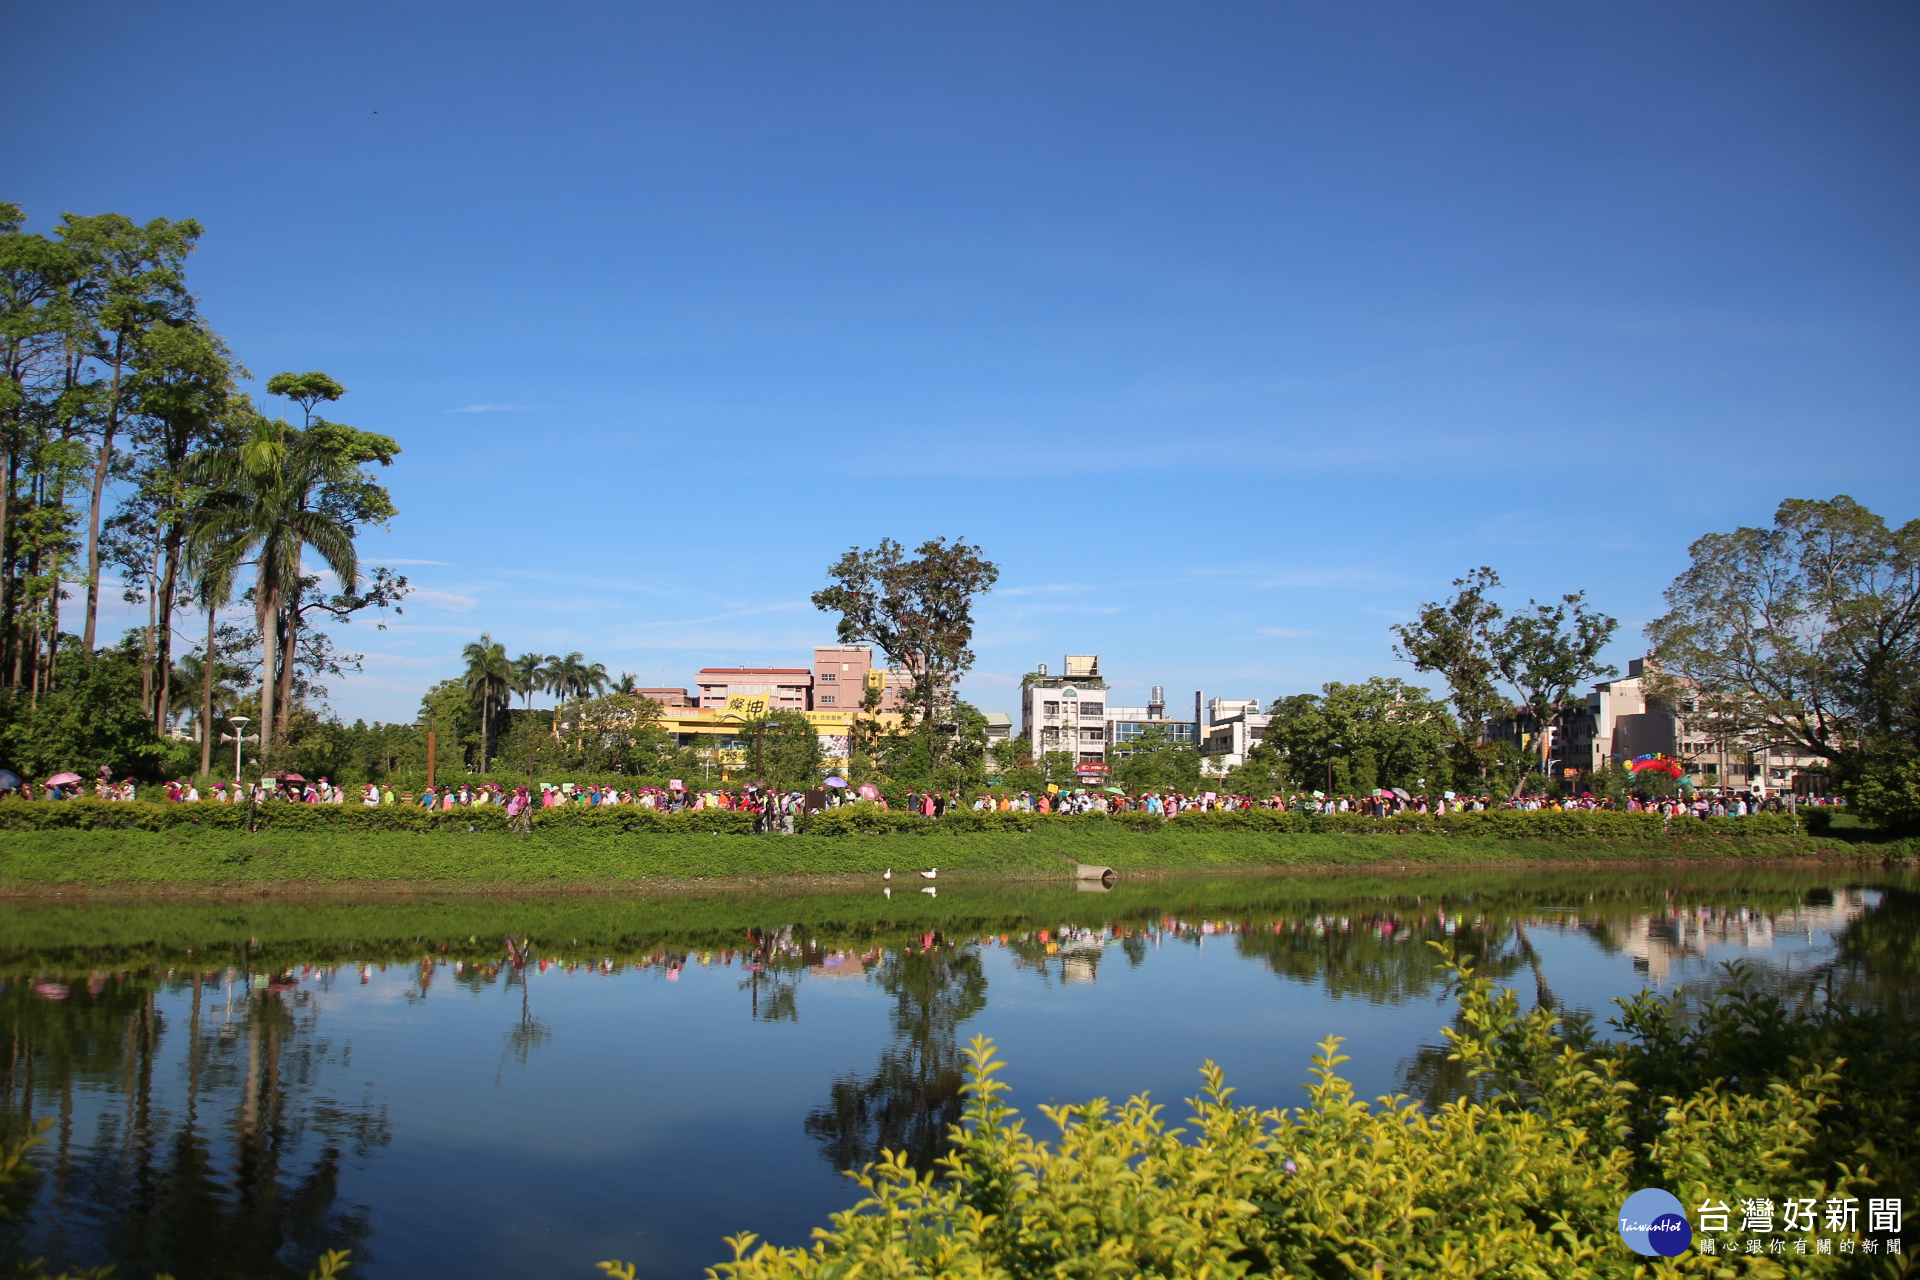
1231	333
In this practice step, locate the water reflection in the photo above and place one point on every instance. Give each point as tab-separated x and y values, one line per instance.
209	1122
221	1159
910	1100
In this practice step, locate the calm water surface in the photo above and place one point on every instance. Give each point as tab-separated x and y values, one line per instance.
524	1087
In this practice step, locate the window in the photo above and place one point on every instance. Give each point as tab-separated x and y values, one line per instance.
1050	735
1093	708
1090	757
1093	735
1050	708
826	697
828	675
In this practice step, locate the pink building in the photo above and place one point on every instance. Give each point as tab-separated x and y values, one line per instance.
840	676
784	688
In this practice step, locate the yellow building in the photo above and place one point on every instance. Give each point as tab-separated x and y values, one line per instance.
716	732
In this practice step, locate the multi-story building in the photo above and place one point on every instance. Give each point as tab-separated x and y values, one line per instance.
1130	724
1067	713
1622	721
666	697
771	688
1235	726
842	674
1070	713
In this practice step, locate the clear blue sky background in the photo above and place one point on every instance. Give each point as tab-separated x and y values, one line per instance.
1232	331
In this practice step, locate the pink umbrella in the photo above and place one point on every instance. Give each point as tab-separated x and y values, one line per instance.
63	779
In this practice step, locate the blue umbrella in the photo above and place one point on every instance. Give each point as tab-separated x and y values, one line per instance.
9	780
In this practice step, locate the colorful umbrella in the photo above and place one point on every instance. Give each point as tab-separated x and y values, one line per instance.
63	779
836	782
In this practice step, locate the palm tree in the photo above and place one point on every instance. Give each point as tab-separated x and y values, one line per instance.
529	675
627	682
490	675
260	509
593	680
566	674
188	690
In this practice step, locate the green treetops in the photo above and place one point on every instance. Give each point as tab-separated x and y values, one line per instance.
1542	655
919	611
1384	733
1806	635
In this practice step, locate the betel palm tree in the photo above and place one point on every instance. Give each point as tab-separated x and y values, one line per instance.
566	674
594	680
490	676
260	509
529	675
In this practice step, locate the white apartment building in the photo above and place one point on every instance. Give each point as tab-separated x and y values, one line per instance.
1067	713
1070	713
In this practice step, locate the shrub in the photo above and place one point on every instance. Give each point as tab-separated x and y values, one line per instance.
1521	1176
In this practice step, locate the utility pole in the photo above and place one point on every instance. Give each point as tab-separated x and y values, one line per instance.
433	743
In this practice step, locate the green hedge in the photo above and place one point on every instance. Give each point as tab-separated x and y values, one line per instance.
112	815
871	819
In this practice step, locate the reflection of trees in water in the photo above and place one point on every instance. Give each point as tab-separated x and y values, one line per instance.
1874	967
912	1098
217	1155
1379	956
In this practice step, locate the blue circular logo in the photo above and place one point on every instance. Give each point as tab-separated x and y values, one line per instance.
1670	1235
1653	1223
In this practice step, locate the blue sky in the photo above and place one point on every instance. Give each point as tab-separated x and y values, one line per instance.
1231	331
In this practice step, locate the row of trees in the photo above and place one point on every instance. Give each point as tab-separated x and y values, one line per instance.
132	455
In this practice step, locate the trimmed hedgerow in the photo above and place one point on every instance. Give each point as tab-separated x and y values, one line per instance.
872	819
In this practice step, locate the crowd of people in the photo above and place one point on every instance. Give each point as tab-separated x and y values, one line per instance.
779	807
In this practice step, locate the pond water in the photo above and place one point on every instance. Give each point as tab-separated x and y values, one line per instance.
522	1087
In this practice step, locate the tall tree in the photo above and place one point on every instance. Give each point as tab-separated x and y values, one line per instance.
529	675
133	277
918	610
489	680
261	506
1806	636
344	494
1449	638
1541	654
1545	655
182	394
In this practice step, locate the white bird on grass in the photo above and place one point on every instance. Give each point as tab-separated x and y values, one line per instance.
888	875
928	875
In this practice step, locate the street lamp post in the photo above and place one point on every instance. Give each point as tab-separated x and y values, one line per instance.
239	724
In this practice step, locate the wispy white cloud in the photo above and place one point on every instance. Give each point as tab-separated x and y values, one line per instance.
1285	633
1043	588
499	408
446	600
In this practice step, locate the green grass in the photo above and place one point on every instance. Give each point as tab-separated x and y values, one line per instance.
200	858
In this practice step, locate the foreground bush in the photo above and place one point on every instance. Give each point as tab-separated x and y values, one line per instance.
1520	1176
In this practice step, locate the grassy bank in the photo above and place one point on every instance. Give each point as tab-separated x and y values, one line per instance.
199	857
